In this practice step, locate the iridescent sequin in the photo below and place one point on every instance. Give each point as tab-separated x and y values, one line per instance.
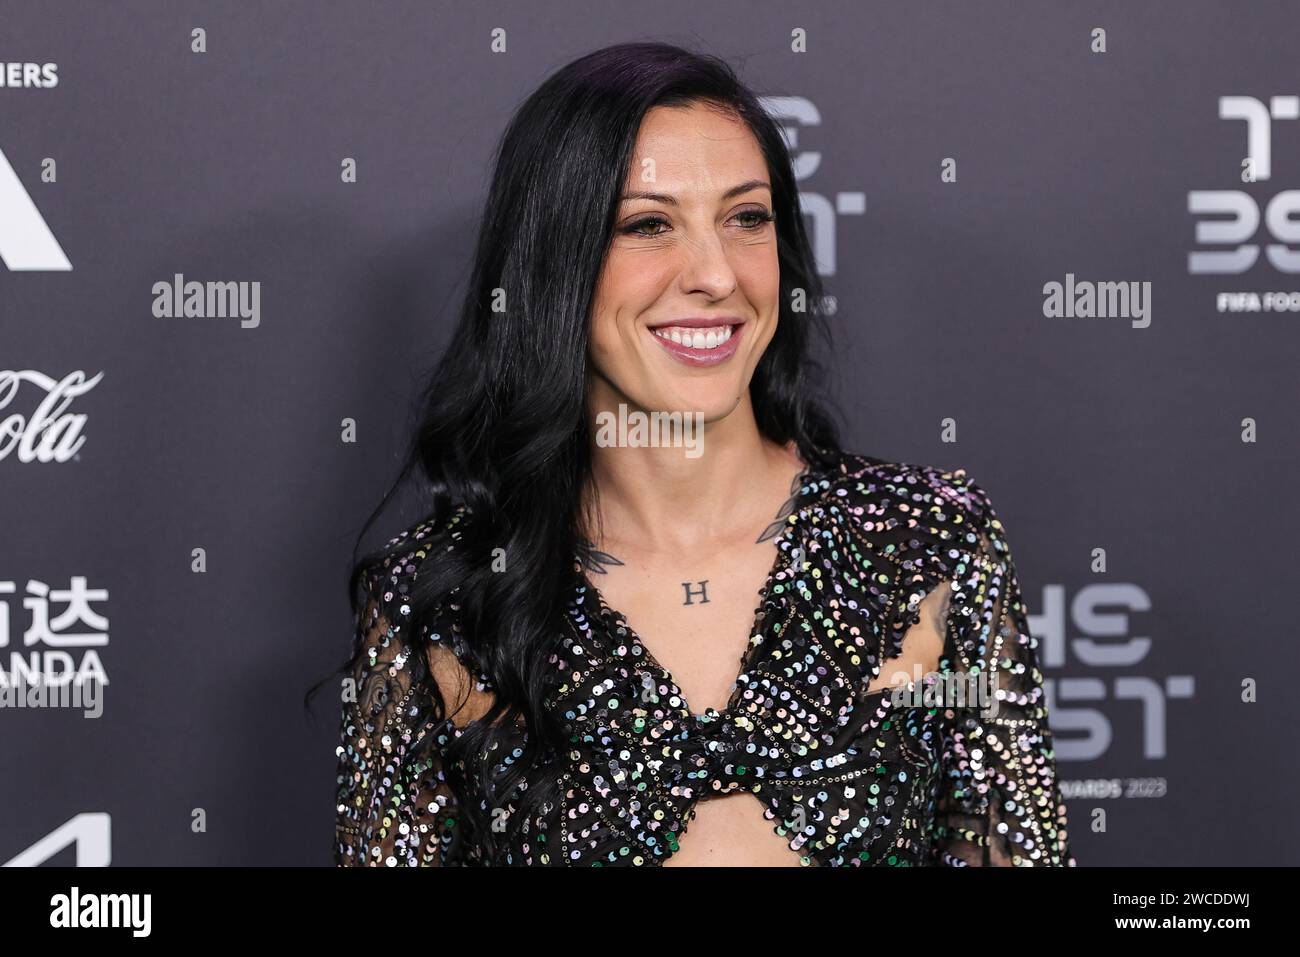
847	777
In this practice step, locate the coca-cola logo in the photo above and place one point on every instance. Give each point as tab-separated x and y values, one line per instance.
50	434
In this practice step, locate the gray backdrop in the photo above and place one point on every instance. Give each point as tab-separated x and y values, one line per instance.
1168	442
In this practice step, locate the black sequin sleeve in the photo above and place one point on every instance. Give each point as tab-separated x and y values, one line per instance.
999	800
394	807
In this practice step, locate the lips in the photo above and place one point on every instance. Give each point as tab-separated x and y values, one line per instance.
699	341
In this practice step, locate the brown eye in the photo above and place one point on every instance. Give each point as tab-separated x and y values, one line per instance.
637	228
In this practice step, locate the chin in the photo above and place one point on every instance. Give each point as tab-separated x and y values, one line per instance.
714	401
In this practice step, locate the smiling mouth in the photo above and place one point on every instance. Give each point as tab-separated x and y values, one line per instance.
710	338
699	345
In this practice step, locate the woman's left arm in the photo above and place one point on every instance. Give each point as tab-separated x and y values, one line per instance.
999	801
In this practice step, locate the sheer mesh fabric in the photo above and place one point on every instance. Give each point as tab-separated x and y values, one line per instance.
394	805
999	802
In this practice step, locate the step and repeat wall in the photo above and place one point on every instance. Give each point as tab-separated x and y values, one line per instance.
1063	242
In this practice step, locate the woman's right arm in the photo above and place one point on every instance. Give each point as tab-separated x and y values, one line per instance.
394	808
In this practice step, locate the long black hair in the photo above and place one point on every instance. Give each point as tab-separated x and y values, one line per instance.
503	426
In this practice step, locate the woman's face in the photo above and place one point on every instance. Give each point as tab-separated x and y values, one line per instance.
690	290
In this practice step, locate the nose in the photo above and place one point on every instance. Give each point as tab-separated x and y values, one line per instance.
706	267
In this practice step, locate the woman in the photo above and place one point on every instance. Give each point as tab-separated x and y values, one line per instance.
563	664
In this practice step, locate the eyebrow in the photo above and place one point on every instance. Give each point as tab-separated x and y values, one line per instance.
667	200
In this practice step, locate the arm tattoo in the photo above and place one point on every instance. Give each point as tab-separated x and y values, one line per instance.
941	613
783	512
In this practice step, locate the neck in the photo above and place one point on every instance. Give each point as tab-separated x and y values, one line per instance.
667	501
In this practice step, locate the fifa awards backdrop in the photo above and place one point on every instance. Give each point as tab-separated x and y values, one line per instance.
1063	244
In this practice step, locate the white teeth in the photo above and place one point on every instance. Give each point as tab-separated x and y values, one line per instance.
695	338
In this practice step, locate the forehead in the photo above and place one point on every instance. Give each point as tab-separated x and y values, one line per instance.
695	147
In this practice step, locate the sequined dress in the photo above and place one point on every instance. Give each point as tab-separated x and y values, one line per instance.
845	776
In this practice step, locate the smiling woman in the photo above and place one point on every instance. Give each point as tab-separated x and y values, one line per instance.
598	652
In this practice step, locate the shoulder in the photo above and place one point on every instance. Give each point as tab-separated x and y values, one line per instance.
389	581
911	484
921	525
911	504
